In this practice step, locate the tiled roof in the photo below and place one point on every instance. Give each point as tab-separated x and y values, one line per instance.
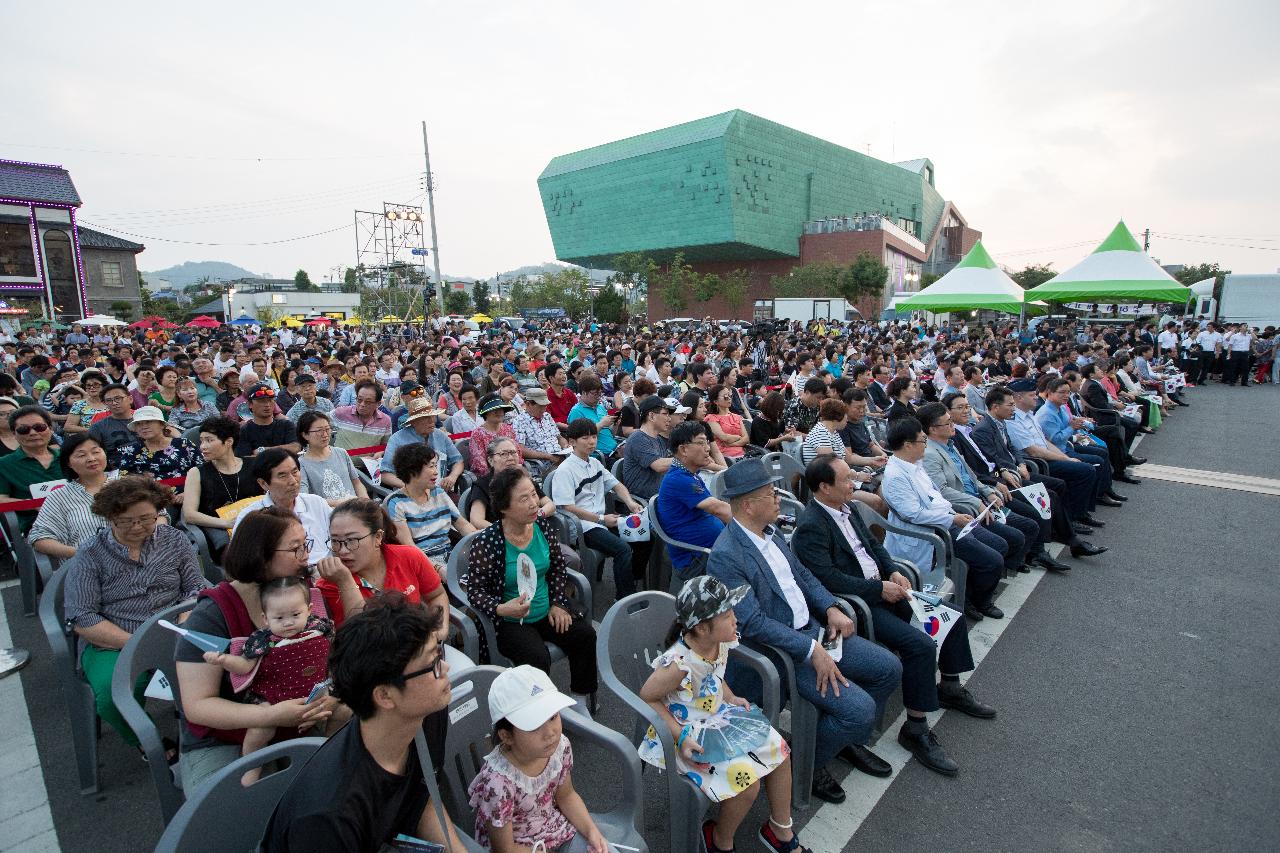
91	239
34	182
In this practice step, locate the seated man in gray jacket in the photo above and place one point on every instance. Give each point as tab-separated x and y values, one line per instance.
839	549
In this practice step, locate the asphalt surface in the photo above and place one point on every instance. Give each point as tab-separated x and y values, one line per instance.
1136	694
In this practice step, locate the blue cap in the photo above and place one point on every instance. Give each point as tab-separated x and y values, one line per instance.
1019	385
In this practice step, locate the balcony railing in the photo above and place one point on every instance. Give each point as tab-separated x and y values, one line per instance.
863	222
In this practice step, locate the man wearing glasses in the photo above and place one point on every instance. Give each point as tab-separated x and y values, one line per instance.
366	784
280	478
34	462
113	431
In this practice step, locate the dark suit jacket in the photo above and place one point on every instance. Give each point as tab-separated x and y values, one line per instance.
975	459
826	552
878	396
994	444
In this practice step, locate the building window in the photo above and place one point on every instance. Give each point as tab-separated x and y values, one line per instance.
762	310
111	274
59	260
17	256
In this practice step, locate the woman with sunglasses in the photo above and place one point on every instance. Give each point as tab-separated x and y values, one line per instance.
81	416
365	541
327	471
271	543
34	462
123	576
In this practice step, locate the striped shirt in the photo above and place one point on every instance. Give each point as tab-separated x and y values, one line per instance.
105	584
353	432
66	517
428	522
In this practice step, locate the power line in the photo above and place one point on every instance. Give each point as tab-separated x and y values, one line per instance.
248	159
1046	249
1223	237
202	243
1214	243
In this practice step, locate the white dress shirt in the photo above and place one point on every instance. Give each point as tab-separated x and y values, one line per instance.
870	570
786	580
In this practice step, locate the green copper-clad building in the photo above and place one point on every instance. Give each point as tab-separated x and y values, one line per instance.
736	191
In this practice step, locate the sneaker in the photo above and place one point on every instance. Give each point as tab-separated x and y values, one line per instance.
771	841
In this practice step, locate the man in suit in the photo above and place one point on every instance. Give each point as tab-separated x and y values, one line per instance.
839	549
962	488
1092	394
879	387
916	503
1107	426
785	610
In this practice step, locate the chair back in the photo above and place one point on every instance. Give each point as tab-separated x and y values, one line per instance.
150	649
787	471
31	574
631	638
617	469
62	640
464	447
469	740
76	695
223	814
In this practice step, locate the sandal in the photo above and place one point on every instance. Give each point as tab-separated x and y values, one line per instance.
771	841
708	838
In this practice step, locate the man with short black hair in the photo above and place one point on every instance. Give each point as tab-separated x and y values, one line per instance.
366	785
113	431
801	414
263	430
686	508
647	454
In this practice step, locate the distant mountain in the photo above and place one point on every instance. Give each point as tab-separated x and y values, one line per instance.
192	271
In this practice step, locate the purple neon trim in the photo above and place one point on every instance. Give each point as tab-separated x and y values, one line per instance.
21	287
29	163
52	204
75	244
35	242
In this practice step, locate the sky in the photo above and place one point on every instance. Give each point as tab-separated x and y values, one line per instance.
199	130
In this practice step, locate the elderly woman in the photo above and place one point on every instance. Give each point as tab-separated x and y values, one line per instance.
66	519
520	541
422	512
272	545
502	454
327	471
231	390
190	410
83	412
493	410
372	558
155	453
123	576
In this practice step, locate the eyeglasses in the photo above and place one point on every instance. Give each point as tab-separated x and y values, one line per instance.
918	441
320	431
349	544
140	521
504	454
26	429
300	551
436	669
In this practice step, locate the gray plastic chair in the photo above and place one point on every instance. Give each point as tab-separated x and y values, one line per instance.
628	641
470	739
223	815
788	472
948	571
150	649
34	569
75	690
376	491
456	574
205	540
676	580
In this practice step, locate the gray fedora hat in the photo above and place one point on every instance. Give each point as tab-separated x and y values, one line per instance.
745	477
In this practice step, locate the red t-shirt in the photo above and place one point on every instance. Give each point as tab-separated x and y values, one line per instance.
560	406
408	571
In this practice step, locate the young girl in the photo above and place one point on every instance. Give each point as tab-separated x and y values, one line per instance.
523	796
282	661
689	692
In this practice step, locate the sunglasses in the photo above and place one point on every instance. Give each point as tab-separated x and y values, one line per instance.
27	429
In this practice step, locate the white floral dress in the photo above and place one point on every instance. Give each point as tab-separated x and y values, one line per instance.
699	697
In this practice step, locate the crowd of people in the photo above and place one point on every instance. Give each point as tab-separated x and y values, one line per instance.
334	472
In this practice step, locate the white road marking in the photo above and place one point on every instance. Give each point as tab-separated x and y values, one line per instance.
832	826
1211	479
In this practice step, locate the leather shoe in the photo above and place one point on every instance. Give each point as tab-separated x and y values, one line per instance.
990	609
1136	460
826	788
971	613
960	699
928	751
1090	521
867	761
1125	478
1051	564
1114	496
1085	549
1081	529
1103	500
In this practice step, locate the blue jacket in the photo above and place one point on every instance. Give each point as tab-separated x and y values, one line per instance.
1055	421
764	616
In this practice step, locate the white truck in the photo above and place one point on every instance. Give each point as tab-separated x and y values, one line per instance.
805	310
1246	298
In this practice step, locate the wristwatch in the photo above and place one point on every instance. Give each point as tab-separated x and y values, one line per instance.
601	518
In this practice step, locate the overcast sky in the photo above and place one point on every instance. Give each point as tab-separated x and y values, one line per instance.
240	123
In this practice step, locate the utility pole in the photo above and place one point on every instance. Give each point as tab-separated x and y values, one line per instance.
431	210
1146	240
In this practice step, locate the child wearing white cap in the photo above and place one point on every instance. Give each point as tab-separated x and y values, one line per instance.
723	744
523	796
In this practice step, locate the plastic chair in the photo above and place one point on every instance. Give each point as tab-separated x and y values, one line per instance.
470	739
33	572
456	574
75	690
592	560
628	641
224	815
205	540
376	491
787	470
148	650
951	582
655	528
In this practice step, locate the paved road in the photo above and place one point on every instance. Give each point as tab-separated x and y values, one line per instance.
1136	695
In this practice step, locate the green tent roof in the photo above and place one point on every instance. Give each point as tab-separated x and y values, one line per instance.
1117	271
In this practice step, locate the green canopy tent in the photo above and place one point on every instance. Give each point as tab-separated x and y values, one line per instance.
1117	271
974	283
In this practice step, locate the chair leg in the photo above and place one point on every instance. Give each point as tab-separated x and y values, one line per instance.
804	737
84	736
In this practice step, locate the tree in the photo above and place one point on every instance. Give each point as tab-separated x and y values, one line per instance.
677	283
351	277
809	280
457	302
733	287
122	309
1033	275
1189	275
928	278
480	297
302	281
611	305
267	315
866	276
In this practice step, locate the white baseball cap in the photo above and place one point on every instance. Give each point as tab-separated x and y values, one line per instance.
525	697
